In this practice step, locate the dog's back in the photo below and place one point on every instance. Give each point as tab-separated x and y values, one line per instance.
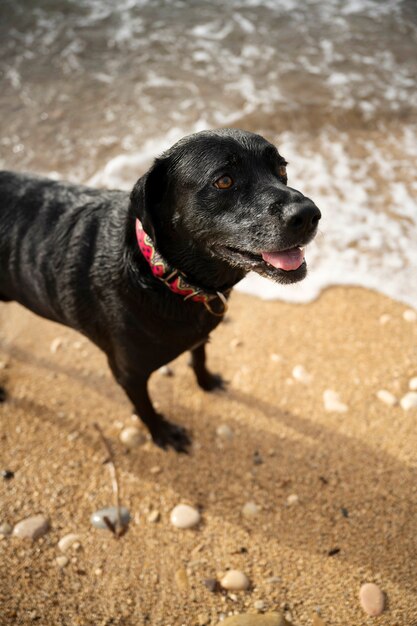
48	236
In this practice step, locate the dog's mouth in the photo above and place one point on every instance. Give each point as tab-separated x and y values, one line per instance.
284	266
286	260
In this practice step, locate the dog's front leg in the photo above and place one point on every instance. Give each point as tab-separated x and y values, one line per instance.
164	433
205	378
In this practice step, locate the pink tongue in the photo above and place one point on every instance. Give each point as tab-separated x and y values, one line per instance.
287	260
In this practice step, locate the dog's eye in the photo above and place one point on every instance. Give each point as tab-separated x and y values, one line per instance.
224	182
282	171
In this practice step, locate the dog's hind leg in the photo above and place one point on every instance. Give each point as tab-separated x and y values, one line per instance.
205	378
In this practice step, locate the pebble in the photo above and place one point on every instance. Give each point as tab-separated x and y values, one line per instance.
332	402
384	319
300	373
235	343
3	365
67	541
165	370
131	437
184	516
409	401
55	345
276	358
292	499
387	397
111	513
211	584
235	580
155	469
410	315
154	517
371	599
7	474
5	529
181	579
250	510
249	619
413	384
259	605
62	561
32	527
224	432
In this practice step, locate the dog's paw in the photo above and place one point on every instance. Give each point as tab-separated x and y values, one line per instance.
210	382
167	435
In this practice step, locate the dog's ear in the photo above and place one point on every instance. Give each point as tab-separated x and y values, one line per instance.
147	196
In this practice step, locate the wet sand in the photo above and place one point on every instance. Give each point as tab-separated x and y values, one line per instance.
354	473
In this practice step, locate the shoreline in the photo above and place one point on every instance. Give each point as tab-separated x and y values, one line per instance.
353	472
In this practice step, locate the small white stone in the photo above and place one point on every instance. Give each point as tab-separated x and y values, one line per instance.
332	402
55	345
259	605
224	432
67	541
276	358
5	529
165	370
413	384
372	599
410	315
384	319
98	571
250	510
292	499
3	365
153	517
155	469
131	437
184	516
235	343
387	397
235	580
62	561
31	527
300	373
409	401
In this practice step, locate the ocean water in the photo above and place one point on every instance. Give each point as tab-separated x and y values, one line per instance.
93	90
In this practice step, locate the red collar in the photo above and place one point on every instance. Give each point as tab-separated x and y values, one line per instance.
174	279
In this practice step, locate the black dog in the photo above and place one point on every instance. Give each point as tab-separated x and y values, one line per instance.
147	277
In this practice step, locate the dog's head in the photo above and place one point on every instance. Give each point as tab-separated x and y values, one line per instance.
222	197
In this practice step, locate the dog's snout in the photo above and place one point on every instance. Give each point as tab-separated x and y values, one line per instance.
303	218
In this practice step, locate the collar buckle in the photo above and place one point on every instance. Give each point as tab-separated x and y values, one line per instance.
223	300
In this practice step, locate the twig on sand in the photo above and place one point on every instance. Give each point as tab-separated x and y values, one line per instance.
118	529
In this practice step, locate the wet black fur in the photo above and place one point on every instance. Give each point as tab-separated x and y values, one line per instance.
69	253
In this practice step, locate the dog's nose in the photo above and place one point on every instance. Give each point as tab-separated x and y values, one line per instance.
302	218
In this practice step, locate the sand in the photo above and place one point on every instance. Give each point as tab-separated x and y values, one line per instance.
354	473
